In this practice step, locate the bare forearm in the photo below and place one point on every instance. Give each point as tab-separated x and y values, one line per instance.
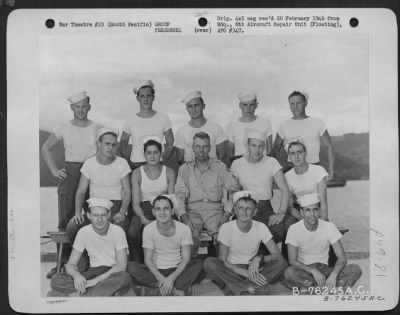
331	156
126	198
181	267
167	153
284	201
138	210
115	268
72	270
79	200
49	160
339	265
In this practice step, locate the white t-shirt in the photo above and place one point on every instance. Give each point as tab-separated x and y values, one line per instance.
313	246
309	129
257	177
150	188
306	183
237	131
105	180
184	138
79	142
101	248
243	246
167	250
140	128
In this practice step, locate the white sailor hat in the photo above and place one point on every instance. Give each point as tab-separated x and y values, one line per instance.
100	202
105	130
77	97
155	138
255	134
308	200
171	197
293	139
190	96
302	92
247	96
244	193
142	84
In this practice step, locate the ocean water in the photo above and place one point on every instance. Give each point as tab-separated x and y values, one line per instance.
348	208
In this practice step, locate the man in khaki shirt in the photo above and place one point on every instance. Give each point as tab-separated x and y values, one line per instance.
199	188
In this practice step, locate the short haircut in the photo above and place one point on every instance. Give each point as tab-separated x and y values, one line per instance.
297	93
108	133
247	199
161	197
202	135
297	143
152	142
153	91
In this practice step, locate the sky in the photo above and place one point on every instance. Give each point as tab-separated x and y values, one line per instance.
332	69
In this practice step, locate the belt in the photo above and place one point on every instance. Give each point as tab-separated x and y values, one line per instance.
204	200
73	163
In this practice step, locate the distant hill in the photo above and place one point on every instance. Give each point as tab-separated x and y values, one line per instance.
351	156
351	152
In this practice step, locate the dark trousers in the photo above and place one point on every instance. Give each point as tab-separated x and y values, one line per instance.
296	277
141	275
135	232
66	191
117	283
224	276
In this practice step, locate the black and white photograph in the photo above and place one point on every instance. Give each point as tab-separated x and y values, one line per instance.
200	155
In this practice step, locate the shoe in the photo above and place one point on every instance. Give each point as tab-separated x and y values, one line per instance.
51	273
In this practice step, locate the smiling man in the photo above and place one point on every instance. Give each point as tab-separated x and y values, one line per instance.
105	175
257	172
147	122
79	139
168	269
308	246
311	129
107	249
305	178
239	269
238	129
198	123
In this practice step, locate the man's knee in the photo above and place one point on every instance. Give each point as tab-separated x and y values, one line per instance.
290	273
353	273
124	278
280	263
72	229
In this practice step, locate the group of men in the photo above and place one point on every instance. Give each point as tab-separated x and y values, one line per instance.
206	196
